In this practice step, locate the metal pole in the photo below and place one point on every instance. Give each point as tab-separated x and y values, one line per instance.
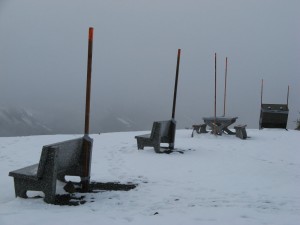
85	180
225	89
261	91
215	108
176	82
287	98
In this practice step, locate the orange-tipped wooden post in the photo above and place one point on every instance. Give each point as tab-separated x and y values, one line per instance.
88	81
85	180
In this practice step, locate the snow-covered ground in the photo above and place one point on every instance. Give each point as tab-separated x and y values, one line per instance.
218	180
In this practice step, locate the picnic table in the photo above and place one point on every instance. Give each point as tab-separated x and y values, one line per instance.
220	124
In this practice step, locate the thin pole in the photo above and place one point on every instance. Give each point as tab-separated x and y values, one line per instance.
176	83
85	180
261	91
225	89
88	81
215	108
287	98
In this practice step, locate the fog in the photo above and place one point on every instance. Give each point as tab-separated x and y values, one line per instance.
43	60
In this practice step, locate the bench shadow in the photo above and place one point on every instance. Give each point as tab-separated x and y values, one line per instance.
73	188
166	150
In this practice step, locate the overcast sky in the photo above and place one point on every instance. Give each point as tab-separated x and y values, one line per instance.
43	57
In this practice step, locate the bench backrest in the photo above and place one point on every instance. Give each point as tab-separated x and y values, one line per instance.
165	129
66	154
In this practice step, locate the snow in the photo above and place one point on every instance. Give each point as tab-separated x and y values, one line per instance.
218	180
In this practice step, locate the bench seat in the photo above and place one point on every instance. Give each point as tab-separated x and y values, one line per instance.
29	172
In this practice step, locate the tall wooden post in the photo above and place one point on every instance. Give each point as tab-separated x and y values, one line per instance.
225	88
261	91
176	82
288	94
215	105
85	180
261	99
88	81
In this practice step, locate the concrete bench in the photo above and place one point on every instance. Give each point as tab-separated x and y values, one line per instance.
240	131
57	161
200	129
162	132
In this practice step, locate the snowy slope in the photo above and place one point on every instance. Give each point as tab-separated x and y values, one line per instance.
20	122
218	180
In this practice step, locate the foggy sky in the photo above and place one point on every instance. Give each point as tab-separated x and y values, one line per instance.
43	57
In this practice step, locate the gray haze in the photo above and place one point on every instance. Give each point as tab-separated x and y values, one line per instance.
43	57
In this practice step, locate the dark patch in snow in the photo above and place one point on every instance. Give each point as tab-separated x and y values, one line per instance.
69	187
111	186
69	199
72	188
181	151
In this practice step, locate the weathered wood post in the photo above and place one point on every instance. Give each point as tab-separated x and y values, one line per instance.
215	105
173	125
261	91
85	180
261	98
225	88
176	83
287	97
